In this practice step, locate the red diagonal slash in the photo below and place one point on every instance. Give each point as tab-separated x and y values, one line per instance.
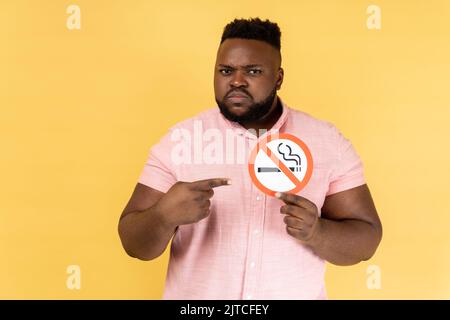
279	163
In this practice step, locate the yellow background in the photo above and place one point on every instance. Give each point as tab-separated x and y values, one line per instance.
80	110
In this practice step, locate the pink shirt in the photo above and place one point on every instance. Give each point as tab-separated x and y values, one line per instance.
242	250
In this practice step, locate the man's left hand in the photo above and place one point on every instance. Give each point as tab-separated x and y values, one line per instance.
302	218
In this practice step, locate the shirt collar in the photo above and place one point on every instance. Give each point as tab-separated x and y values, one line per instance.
240	130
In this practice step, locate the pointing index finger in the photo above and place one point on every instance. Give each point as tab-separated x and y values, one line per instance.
207	184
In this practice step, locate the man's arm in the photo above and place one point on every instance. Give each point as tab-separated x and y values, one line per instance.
151	217
142	230
348	231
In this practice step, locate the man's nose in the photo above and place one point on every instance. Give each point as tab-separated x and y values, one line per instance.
238	80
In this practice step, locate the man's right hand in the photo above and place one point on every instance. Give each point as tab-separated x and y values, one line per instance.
188	202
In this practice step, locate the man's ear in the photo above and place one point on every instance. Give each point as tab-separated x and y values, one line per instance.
280	78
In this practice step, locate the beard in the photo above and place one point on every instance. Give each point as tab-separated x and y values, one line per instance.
255	111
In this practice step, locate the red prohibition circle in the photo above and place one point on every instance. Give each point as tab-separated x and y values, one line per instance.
262	145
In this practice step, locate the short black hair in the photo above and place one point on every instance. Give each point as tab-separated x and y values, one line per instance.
254	29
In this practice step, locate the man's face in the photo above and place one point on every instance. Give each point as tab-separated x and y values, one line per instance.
247	76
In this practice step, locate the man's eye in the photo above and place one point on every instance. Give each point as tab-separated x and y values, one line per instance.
225	71
254	71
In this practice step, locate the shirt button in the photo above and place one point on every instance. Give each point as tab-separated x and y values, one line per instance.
249	296
252	264
256	231
258	198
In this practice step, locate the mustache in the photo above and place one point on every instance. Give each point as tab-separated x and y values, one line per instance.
242	91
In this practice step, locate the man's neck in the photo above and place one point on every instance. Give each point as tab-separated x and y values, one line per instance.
268	121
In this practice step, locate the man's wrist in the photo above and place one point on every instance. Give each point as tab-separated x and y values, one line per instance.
315	238
163	218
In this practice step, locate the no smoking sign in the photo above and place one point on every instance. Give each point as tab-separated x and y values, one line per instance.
280	162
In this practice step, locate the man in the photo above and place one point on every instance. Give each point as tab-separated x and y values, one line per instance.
231	241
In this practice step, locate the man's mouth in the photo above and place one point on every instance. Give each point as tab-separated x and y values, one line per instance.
237	97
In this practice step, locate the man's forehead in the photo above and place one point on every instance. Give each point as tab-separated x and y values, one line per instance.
245	52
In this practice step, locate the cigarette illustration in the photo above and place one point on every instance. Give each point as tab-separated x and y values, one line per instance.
287	153
273	169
